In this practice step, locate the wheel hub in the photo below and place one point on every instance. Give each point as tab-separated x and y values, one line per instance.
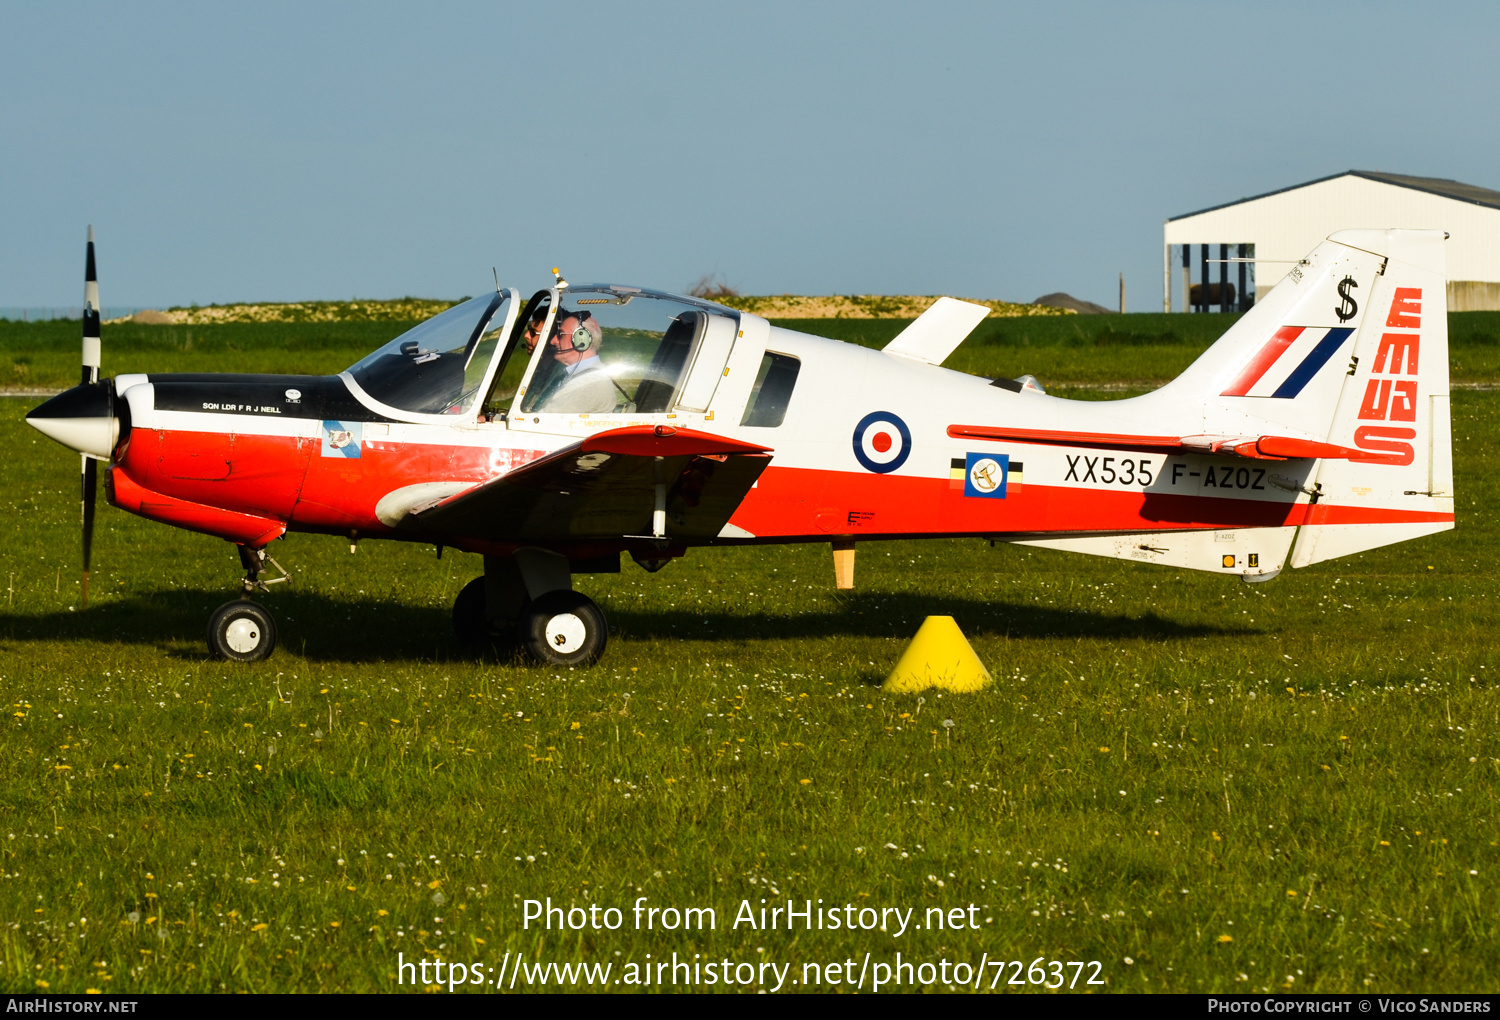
566	633
243	636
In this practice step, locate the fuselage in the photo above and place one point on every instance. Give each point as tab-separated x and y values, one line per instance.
322	461
865	444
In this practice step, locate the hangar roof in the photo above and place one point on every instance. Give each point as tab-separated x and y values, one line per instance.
1456	190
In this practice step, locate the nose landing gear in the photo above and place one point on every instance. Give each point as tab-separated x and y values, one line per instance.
242	630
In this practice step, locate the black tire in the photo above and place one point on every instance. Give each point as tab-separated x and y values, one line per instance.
242	631
468	614
564	628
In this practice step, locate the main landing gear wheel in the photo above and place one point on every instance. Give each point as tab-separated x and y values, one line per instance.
564	628
241	631
468	614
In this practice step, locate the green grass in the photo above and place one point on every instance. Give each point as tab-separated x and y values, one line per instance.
1070	351
1144	348
45	354
1166	758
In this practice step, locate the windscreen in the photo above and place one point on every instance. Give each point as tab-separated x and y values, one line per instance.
616	350
437	366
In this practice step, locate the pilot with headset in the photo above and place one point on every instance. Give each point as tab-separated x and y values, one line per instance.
579	382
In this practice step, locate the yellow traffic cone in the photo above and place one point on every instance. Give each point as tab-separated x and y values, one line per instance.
939	656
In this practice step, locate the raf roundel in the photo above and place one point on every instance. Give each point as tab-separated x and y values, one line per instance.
882	442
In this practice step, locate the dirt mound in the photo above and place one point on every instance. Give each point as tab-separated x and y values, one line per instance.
866	306
1072	304
399	310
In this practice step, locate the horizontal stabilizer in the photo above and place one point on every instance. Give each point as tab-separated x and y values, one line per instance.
935	333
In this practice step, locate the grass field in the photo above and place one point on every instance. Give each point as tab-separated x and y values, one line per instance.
1071	350
1203	785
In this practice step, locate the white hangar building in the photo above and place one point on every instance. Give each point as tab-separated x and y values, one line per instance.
1231	255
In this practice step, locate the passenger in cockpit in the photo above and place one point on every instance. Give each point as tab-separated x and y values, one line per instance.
579	382
533	333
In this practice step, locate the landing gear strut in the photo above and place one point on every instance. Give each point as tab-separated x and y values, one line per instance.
242	630
527	600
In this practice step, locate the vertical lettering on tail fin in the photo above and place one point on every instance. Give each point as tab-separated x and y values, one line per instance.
1402	348
1406	309
1378	404
1377	399
1393	399
1404	400
1381	447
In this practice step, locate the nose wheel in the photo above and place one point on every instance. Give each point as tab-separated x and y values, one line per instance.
245	631
242	631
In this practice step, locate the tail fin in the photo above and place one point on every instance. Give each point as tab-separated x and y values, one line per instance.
1393	408
1350	349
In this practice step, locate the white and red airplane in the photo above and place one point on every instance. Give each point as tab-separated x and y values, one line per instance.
648	423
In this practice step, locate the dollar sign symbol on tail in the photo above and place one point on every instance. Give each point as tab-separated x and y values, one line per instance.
1347	306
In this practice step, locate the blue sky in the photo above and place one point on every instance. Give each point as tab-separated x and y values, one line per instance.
319	151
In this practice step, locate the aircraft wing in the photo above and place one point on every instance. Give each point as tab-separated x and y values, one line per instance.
1255	447
605	488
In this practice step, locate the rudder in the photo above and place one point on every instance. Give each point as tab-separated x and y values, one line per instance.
1393	408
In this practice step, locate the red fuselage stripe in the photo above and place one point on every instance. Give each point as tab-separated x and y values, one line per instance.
284	478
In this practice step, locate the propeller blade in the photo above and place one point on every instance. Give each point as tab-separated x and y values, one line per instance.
91	352
90	486
90	318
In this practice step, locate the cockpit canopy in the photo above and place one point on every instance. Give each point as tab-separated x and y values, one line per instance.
438	366
644	343
601	350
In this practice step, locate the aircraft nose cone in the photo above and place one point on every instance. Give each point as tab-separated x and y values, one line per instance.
79	419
